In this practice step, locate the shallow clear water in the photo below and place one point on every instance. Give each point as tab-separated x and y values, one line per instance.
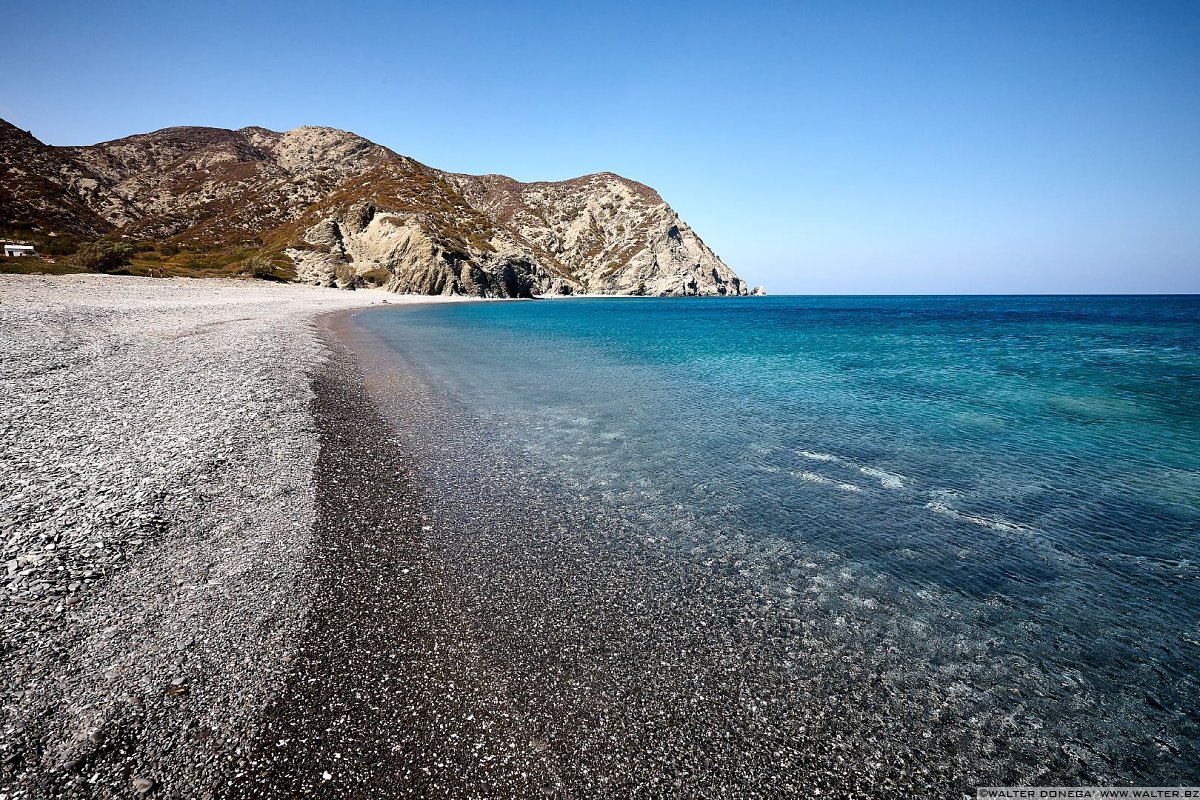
1012	483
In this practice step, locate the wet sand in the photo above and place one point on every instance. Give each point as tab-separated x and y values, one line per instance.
372	707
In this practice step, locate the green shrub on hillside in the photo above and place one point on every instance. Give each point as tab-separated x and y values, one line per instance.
103	256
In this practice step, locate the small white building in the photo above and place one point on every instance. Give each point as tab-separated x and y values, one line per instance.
16	250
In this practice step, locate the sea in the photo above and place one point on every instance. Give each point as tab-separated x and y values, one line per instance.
759	546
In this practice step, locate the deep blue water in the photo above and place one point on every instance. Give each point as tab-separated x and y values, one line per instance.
1013	480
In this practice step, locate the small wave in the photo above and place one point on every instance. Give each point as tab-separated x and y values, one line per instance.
1123	351
811	456
1097	407
888	480
813	477
995	523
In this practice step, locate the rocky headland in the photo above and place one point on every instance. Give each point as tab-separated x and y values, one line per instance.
327	207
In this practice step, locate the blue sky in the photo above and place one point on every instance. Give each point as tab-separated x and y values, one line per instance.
910	147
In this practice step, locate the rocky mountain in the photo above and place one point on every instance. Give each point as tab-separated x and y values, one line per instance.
41	188
332	208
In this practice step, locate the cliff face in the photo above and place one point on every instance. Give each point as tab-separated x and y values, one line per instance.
606	233
345	211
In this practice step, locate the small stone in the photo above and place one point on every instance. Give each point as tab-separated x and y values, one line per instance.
142	785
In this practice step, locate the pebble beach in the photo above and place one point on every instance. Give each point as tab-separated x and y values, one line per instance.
157	455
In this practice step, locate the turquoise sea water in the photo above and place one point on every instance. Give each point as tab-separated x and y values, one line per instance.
1006	489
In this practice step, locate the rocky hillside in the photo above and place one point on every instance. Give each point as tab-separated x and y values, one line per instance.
331	208
41	188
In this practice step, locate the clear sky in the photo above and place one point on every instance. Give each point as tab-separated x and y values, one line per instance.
907	147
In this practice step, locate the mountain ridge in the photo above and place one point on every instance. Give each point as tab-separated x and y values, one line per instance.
329	207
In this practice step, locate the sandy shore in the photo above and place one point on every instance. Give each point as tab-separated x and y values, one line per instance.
157	453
